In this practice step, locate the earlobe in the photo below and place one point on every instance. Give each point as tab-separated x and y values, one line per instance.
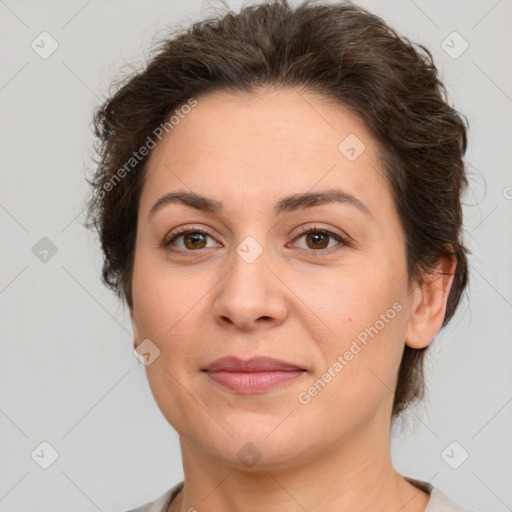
135	329
429	304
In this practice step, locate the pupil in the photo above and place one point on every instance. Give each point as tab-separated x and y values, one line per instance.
316	240
195	237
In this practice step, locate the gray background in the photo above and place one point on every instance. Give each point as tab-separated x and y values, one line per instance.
68	376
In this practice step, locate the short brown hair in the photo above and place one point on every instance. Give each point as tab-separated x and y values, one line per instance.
344	53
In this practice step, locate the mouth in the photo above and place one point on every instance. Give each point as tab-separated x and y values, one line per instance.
254	375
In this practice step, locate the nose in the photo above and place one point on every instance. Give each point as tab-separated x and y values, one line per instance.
250	296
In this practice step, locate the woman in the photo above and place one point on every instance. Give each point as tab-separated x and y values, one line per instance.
278	202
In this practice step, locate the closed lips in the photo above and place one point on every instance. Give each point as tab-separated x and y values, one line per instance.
255	375
256	364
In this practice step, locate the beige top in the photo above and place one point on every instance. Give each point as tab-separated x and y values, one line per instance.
438	502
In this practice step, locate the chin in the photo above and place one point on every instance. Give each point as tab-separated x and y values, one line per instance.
258	445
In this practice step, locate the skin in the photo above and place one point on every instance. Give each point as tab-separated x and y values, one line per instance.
301	301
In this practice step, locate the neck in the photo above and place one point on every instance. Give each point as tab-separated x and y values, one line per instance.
355	475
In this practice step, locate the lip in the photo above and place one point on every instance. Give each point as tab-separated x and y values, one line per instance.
254	375
254	364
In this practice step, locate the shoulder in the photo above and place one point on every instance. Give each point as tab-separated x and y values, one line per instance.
440	502
160	504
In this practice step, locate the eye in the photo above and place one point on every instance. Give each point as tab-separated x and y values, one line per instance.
193	239
318	239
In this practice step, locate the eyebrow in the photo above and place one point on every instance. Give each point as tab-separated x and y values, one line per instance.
284	205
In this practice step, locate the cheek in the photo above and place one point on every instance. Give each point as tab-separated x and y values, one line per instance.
352	300
173	310
163	296
360	360
365	313
166	306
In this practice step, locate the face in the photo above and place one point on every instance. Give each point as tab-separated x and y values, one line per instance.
246	279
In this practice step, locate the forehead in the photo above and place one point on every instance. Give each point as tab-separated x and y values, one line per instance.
247	148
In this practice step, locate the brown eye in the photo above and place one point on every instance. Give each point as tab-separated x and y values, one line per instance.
193	239
318	240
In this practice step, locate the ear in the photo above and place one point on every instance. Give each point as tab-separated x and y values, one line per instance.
135	329
429	303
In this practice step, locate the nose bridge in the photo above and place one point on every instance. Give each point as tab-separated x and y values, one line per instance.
250	291
249	266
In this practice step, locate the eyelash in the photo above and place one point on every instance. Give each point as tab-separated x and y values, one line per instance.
167	242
